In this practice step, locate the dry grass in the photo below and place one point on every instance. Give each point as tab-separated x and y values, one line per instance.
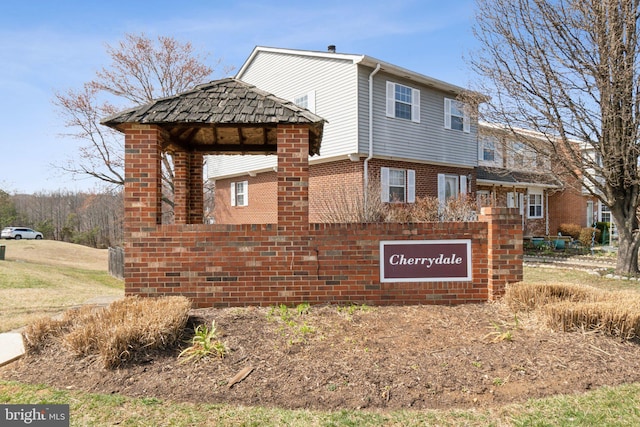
569	307
115	334
52	252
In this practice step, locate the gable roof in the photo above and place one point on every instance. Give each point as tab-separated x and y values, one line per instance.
364	60
224	116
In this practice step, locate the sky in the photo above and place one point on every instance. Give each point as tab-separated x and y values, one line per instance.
49	47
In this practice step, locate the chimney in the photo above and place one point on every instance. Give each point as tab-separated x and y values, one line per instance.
331	48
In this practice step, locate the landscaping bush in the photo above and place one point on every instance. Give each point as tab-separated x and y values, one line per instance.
586	235
116	333
576	308
521	297
572	230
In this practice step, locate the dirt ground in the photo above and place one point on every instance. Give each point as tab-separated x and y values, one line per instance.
414	357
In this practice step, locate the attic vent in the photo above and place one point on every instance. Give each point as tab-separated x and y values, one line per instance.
331	48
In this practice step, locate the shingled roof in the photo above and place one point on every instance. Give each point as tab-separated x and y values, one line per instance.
506	177
225	116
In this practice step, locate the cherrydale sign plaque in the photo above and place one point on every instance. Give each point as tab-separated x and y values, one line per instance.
425	260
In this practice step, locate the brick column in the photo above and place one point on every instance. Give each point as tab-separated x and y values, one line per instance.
188	196
293	177
504	241
142	199
196	188
181	169
142	187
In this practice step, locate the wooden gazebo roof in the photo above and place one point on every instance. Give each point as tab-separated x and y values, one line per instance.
224	116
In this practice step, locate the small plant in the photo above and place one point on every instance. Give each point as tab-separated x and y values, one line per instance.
498	382
204	343
477	364
303	308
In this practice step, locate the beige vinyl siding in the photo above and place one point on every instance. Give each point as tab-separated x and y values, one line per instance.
288	76
426	141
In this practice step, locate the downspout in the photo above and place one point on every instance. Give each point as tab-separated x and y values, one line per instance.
546	208
370	156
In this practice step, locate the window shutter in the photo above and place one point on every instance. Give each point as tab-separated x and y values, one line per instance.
521	203
415	105
391	99
246	193
466	121
481	142
498	154
510	200
384	184
411	186
447	113
463	184
441	189
233	194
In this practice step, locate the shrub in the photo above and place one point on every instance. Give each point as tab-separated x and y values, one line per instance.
572	230
530	296
116	333
586	235
575	308
617	317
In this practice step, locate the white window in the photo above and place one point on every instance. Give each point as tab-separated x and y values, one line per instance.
605	212
535	204
403	102
307	100
398	185
240	193
489	151
456	115
450	186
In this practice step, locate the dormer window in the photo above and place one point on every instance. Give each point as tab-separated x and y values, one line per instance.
403	102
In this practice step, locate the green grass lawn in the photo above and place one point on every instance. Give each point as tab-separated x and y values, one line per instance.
30	290
618	406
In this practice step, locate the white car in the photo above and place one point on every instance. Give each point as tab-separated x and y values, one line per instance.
20	233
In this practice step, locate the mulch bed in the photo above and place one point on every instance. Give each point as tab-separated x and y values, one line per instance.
414	357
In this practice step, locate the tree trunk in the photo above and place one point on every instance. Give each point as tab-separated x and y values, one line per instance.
628	240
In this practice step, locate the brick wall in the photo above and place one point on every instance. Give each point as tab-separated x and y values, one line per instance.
331	185
292	261
236	265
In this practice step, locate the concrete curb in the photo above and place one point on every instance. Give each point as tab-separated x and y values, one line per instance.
11	347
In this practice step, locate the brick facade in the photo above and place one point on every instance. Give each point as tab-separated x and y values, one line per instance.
291	261
330	184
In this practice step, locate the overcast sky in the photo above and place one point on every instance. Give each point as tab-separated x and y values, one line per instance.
49	46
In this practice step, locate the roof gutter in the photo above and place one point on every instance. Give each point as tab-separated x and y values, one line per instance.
370	156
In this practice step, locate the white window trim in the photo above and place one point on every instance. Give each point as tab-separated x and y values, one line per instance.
391	102
466	121
233	191
410	184
497	153
442	181
535	192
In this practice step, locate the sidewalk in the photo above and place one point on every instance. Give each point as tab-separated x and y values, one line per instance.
12	346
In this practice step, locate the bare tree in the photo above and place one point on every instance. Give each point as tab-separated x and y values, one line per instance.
141	70
569	70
